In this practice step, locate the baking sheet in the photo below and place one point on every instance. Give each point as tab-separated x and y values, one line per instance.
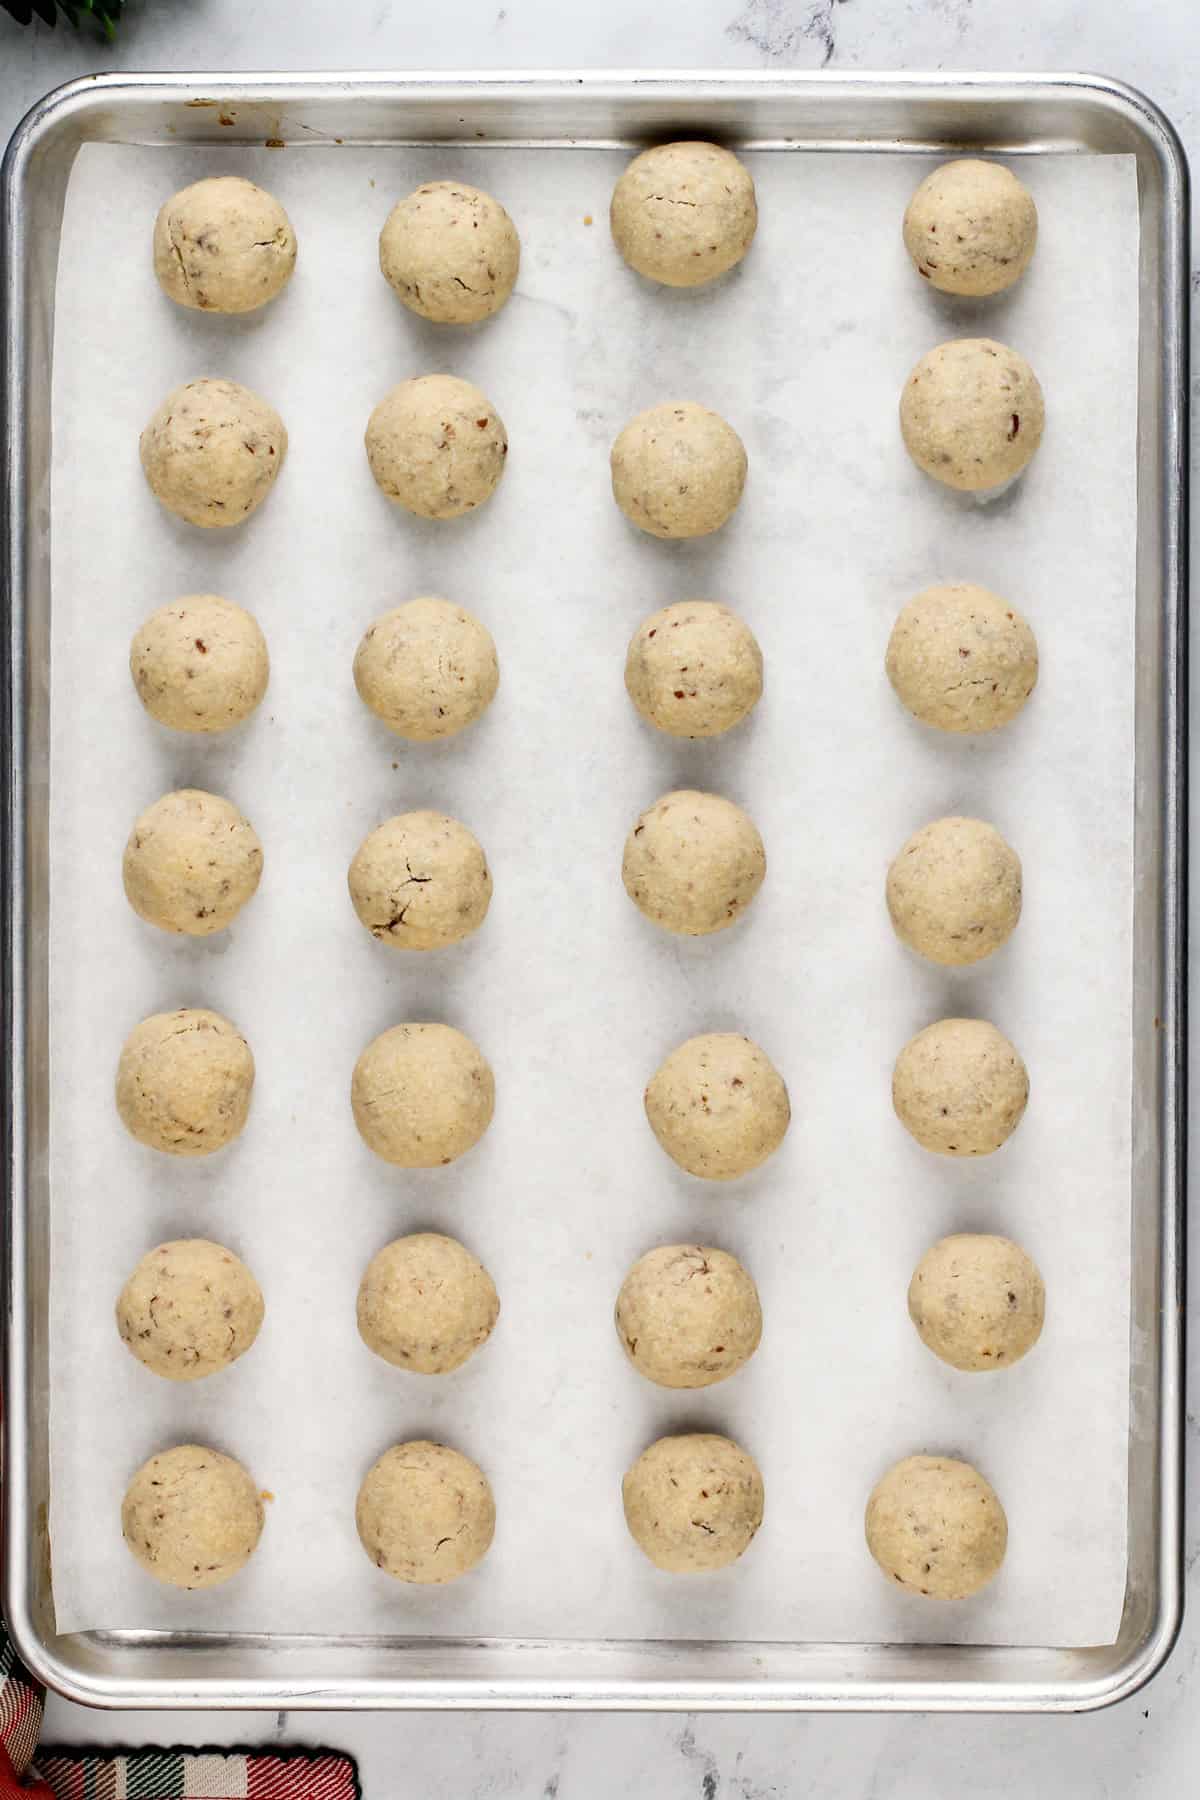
572	995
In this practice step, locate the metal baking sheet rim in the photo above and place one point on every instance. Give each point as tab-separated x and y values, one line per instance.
1016	113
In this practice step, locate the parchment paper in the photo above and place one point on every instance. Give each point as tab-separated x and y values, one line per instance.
572	995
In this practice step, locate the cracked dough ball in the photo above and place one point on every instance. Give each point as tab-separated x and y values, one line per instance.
425	1513
978	1302
960	1088
189	1308
962	659
199	664
936	1527
684	213
191	863
718	1106
451	252
972	414
425	1303
693	862
678	470
428	669
192	1517
971	228
420	881
436	446
694	670
223	245
688	1316
212	451
693	1503
422	1095
184	1082
954	891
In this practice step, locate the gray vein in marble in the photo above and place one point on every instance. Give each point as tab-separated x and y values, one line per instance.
772	27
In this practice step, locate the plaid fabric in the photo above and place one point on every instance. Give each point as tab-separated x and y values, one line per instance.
20	1709
181	1774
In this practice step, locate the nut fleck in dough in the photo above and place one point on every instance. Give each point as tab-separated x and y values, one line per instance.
972	414
678	470
212	451
960	1088
425	1513
436	446
693	862
190	1307
962	659
954	891
684	213
427	669
420	881
184	1082
451	252
935	1526
422	1095
693	1503
199	664
191	863
718	1106
971	227
694	670
688	1316
223	245
978	1302
192	1517
425	1303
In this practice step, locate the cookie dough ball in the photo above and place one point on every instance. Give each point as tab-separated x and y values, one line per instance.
212	451
425	1303
678	470
422	1095
451	252
693	1503
189	1308
436	446
428	669
425	1514
199	664
420	881
694	670
960	1087
978	1302
192	1517
191	863
684	213
693	862
688	1316
935	1526
962	659
971	228
184	1082
718	1106
954	891
972	414
223	245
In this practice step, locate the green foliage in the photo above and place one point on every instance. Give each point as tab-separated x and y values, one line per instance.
104	13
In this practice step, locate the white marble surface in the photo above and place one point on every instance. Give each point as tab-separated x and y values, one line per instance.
1151	1745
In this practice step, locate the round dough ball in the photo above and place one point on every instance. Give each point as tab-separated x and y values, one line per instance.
694	670
972	414
190	1307
425	1303
212	451
693	1503
425	1513
718	1106
199	664
191	863
223	245
978	1302
192	1517
936	1527
971	227
451	252
420	881
422	1095
962	659
678	470
960	1088
428	669
954	891
684	213
688	1316
693	862
184	1082
436	446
